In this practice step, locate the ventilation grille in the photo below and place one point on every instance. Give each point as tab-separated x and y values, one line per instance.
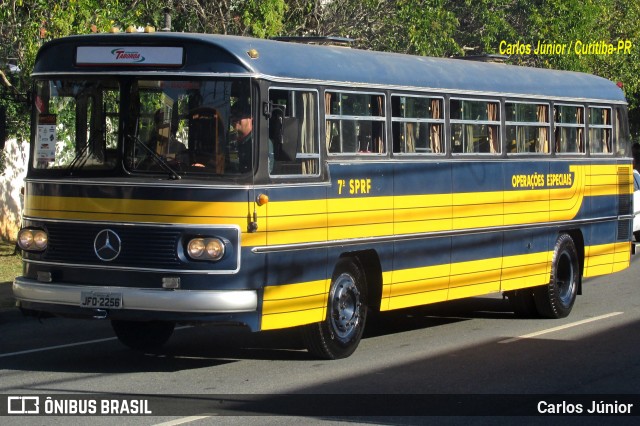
624	203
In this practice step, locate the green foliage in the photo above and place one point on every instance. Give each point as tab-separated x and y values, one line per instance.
262	18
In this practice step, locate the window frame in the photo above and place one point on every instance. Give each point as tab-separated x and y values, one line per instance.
558	126
497	123
318	141
357	118
529	124
441	121
601	127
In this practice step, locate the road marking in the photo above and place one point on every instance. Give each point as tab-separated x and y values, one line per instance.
50	348
562	327
182	421
68	345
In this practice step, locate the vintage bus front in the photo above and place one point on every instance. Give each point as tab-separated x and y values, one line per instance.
139	199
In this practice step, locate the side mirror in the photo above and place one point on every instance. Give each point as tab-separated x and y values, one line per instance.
3	126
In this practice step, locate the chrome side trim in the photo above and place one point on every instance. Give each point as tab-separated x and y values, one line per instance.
185	301
440	234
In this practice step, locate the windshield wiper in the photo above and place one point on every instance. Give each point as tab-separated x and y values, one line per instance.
76	163
156	158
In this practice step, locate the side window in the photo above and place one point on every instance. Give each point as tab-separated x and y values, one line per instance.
417	125
293	133
527	127
621	140
600	130
569	122
475	126
354	123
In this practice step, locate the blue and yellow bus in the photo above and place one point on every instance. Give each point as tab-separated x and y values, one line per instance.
188	178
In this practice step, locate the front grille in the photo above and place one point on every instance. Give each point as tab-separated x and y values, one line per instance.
74	243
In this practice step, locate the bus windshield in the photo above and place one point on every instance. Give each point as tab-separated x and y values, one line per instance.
192	127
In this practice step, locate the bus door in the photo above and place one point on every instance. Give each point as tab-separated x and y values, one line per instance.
296	212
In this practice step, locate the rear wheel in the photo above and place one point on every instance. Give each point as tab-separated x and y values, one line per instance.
143	335
556	299
339	334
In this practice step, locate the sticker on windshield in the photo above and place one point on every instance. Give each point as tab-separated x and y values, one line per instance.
46	138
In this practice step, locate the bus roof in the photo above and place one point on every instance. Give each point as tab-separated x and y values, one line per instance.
334	65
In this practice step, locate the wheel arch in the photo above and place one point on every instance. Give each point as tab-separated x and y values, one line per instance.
369	263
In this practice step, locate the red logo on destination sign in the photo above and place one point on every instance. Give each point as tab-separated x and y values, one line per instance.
123	55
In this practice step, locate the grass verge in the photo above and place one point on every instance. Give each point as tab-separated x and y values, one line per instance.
10	267
10	262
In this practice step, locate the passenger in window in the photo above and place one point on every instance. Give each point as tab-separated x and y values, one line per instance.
239	151
242	122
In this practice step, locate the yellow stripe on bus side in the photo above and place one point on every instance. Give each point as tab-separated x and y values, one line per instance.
606	258
294	304
304	303
135	210
148	211
293	222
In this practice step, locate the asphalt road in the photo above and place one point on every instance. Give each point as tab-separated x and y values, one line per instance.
475	352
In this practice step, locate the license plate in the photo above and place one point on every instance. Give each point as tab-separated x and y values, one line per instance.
89	299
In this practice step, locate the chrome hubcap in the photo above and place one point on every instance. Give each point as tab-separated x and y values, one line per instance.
345	307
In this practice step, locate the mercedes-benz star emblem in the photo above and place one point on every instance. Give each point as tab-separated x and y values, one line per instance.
107	245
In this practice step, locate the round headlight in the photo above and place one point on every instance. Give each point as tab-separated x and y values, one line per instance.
32	239
195	248
40	239
25	239
215	249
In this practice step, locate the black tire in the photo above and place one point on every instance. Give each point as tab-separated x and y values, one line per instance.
556	299
636	236
339	334
143	335
523	303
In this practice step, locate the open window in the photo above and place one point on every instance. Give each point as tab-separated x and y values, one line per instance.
293	132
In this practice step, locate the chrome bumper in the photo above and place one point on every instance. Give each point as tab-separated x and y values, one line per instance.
143	299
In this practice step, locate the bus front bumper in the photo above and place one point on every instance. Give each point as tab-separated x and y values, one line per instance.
201	302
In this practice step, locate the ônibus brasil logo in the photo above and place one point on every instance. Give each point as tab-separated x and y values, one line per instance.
127	56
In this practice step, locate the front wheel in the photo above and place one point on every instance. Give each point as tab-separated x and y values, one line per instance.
143	335
556	299
339	334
